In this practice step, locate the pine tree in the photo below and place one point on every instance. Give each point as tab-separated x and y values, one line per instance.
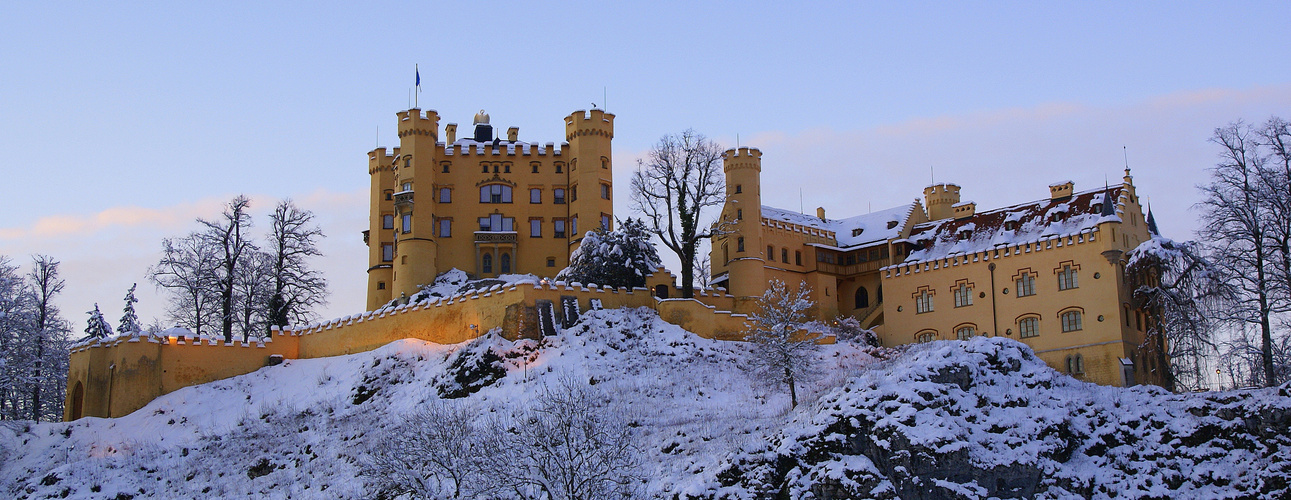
129	320
97	327
620	258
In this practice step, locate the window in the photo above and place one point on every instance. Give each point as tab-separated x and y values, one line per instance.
445	195
387	221
965	332
495	193
739	244
535	228
406	223
605	191
739	214
445	228
1029	327
1067	278
922	337
605	222
797	258
389	194
535	167
407	186
770	253
445	165
535	196
1076	364
963	295
1026	285
923	302
605	162
862	298
506	169
573	194
1138	320
484	168
497	222
486	263
559	166
784	255
506	263
551	262
739	188
381	285
1126	309
560	228
1070	321
573	226
387	252
558	196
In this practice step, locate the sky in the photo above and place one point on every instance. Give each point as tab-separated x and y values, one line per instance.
122	124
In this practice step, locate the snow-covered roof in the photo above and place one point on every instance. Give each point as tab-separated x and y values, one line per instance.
873	226
1017	224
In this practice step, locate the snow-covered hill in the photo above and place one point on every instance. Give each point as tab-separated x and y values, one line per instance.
944	420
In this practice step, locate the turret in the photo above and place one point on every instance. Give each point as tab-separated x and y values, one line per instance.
941	200
591	173
414	172
380	240
743	209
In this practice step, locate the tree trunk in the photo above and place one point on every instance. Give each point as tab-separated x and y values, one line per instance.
793	390
688	270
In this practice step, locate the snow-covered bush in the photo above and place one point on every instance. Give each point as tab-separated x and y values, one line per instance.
780	353
620	258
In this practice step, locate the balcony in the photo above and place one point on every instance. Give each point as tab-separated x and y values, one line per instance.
402	199
495	237
852	269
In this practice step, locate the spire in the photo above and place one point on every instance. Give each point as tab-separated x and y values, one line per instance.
1108	204
1152	223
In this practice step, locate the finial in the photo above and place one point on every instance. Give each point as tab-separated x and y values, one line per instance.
481	118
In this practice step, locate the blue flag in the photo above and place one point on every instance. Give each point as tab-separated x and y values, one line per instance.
418	70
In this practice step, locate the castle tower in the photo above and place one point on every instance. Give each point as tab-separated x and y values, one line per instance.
743	169
940	200
380	234
415	247
591	178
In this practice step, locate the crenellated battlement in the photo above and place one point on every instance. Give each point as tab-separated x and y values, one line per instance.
550	149
379	160
742	158
595	123
414	122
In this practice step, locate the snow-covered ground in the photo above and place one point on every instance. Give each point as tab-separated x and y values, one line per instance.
949	419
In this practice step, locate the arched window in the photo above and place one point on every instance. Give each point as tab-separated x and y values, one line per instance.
862	298
925	336
486	262
1075	364
1029	327
506	263
495	193
965	332
923	302
1071	320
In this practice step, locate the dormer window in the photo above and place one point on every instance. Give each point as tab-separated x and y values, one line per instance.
965	234
857	232
1010	225
892	224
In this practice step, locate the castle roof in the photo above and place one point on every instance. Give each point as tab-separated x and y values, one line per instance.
1015	225
867	229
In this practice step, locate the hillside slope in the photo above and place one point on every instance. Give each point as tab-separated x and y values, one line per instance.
944	420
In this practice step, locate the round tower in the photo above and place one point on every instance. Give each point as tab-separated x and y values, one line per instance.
591	172
940	200
743	169
380	240
414	171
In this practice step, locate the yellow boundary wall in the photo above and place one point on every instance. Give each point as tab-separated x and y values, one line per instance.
116	377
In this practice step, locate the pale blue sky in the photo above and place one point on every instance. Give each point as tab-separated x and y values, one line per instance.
118	125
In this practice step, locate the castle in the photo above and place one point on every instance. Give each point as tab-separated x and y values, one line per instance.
1049	273
488	205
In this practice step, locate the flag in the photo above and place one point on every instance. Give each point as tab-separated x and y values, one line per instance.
418	70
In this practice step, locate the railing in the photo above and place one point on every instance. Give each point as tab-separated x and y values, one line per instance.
495	236
850	269
402	198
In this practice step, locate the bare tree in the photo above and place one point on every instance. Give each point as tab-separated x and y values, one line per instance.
188	270
681	179
780	352
16	317
1275	138
434	452
49	330
1237	218
297	288
1177	288
228	234
251	294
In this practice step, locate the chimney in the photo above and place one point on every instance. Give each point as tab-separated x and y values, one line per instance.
513	133
1059	190
940	200
450	133
820	212
964	210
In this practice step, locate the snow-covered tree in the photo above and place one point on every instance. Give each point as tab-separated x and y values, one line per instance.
17	310
433	452
1176	288
187	271
781	352
49	338
129	318
620	258
676	184
97	327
